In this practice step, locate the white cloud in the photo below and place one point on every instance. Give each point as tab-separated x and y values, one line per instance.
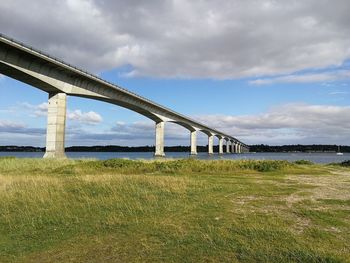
34	110
40	110
146	129
90	117
10	124
305	78
288	124
18	133
339	93
292	123
164	38
12	127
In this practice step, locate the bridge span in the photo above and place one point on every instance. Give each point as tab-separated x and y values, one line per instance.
59	79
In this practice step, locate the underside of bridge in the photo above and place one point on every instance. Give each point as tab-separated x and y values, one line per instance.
59	79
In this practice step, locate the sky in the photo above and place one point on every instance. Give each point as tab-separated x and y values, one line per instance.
263	71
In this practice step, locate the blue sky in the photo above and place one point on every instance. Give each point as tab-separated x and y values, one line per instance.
271	73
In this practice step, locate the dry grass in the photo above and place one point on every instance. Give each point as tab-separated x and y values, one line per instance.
192	211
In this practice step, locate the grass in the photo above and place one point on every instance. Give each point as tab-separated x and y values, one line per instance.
173	211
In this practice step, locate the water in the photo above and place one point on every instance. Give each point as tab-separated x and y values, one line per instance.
314	157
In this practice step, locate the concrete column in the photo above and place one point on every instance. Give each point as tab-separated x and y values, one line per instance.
227	146
232	147
159	140
210	144
221	145
56	125
193	142
236	147
239	148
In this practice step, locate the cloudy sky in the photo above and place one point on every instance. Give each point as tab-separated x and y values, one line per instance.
272	72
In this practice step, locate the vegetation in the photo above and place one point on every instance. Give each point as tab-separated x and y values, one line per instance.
304	162
173	211
299	148
345	163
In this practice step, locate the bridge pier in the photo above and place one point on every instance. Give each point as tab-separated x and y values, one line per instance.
232	147
193	143
159	151
56	125
210	144
227	146
221	145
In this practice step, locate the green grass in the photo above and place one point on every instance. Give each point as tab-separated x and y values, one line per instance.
173	211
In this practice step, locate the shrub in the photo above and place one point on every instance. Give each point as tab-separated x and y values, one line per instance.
303	162
345	163
119	163
264	165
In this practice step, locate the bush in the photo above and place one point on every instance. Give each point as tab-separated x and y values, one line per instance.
264	166
345	163
119	163
303	162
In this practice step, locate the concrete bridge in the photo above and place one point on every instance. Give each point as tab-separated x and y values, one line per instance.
60	79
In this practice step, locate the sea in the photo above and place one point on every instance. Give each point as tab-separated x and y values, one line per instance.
313	157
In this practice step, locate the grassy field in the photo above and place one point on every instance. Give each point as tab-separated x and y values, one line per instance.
173	211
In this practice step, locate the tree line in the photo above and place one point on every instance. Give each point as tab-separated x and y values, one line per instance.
116	148
299	148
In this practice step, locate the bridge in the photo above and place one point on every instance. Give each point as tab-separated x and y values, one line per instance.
59	79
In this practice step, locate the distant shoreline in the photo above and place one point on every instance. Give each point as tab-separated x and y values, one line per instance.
115	148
